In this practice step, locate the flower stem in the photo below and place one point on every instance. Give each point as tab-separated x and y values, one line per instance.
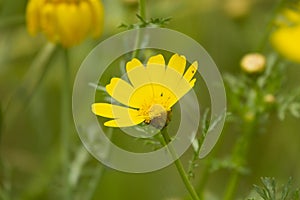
65	127
180	167
231	186
30	84
239	155
142	13
269	26
143	9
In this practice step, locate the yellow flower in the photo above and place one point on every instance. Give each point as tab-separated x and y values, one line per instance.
66	22
151	93
269	98
286	38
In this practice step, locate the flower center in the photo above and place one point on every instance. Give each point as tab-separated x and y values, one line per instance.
157	116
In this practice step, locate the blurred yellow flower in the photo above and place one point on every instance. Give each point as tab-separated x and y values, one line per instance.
67	22
253	63
269	98
286	38
152	91
238	8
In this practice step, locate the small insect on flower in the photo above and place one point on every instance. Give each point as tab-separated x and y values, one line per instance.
151	93
66	22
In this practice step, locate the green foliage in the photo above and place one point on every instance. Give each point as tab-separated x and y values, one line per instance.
270	190
153	22
247	93
30	167
206	126
289	103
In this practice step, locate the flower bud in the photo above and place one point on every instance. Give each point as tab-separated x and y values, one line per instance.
269	98
253	63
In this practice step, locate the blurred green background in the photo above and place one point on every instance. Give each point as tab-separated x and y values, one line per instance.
30	162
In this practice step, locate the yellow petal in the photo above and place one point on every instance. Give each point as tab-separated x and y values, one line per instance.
184	85
98	17
189	74
113	111
136	73
156	68
164	96
134	63
120	90
67	22
141	95
192	82
171	79
152	94
287	42
33	16
84	23
178	63
174	71
182	88
123	122
158	59
48	22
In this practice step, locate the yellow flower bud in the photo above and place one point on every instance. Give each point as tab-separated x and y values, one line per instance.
285	39
249	116
131	2
269	98
237	8
66	22
253	63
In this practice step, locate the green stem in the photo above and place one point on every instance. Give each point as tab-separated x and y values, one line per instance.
1	123
180	167
269	26
231	186
33	79
142	13
203	180
143	9
99	173
239	155
65	127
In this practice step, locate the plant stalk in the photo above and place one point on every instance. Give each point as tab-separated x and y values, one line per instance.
270	26
143	9
142	13
65	126
240	152
180	167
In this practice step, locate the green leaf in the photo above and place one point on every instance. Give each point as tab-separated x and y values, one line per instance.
261	192
295	109
269	190
270	186
296	195
158	22
141	19
286	189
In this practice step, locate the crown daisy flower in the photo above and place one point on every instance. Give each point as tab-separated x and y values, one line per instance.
66	22
151	93
285	39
